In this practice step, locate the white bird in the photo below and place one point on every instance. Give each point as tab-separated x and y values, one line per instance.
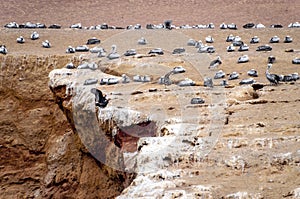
34	35
46	44
142	41
20	40
113	53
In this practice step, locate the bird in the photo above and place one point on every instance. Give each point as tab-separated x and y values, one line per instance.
233	75
271	59
20	40
247	81
70	49
254	40
243	47
288	39
230	48
252	73
178	69
215	63
243	59
191	42
93	40
113	53
100	99
208	82
273	78
220	74
142	41
158	51
46	44
34	35
125	79
230	38
3	49
209	39
130	52
178	50
274	39
101	53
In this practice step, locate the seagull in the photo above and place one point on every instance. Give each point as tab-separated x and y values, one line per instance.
100	99
273	78
215	63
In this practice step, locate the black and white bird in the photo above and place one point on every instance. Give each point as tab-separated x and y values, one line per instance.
209	39
215	63
252	73
46	44
125	79
34	35
243	59
130	52
230	38
70	49
158	51
288	39
273	78
271	59
254	40
21	40
3	49
219	75
247	81
233	75
230	48
178	50
100	99
274	39
142	41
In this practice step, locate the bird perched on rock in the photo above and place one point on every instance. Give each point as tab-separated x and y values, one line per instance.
100	99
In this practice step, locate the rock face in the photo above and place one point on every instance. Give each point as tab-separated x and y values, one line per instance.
40	155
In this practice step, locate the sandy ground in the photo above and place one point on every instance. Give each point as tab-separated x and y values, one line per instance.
123	13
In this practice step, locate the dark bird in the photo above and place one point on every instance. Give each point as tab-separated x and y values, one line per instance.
252	73
93	40
215	63
273	78
100	99
271	59
178	50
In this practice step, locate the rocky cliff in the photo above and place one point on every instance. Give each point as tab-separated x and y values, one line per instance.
41	154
